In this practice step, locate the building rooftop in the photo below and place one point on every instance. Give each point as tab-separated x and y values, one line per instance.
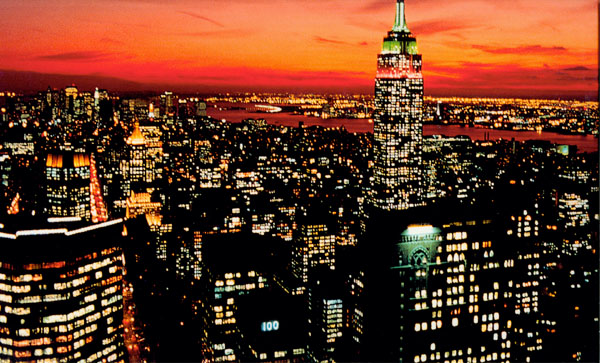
67	159
271	320
40	238
233	252
136	138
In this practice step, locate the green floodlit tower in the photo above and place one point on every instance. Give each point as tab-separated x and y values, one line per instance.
398	124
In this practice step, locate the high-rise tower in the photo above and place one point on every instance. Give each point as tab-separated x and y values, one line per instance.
72	187
398	126
61	291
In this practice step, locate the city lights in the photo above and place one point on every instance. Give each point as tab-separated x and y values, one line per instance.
151	221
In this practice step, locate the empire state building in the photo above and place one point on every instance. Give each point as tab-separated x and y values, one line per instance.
398	120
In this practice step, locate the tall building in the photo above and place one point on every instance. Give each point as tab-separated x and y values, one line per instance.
68	185
61	291
325	301
73	188
427	285
167	103
70	95
313	247
153	142
451	288
235	264
140	170
398	127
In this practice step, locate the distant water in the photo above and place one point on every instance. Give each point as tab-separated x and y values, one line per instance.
583	143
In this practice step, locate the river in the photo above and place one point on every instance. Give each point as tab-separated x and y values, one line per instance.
583	143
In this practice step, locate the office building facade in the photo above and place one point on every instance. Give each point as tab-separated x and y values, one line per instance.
398	120
61	293
68	185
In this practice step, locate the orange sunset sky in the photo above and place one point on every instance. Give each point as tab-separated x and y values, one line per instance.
532	48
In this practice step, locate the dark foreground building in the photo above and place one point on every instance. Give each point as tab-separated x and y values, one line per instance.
61	296
427	281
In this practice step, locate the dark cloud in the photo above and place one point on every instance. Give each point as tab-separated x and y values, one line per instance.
193	15
577	68
75	56
532	49
330	41
339	42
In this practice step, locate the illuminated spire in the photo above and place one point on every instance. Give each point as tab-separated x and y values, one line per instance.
136	138
400	23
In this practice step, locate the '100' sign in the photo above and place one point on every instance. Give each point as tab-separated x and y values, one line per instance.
269	325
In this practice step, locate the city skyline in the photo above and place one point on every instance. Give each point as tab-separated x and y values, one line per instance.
145	221
474	48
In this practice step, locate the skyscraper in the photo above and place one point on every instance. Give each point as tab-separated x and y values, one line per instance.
398	128
73	188
139	168
314	246
61	291
68	185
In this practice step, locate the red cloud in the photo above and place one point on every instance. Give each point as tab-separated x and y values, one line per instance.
536	49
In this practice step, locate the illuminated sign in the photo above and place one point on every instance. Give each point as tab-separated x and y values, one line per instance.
267	326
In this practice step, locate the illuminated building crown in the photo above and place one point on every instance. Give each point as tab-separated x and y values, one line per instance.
400	40
136	137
